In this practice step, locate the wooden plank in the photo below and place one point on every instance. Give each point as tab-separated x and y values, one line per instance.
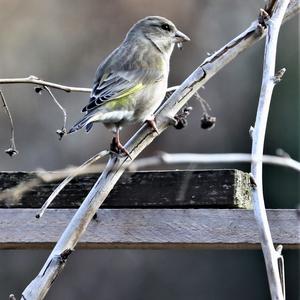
161	189
150	228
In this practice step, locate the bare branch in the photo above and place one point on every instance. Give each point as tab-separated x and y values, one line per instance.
12	150
258	136
39	287
187	158
60	132
68	179
35	80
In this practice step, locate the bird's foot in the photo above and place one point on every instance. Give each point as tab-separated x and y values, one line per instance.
118	148
180	120
152	124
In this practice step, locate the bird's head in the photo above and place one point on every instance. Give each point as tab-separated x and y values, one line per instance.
161	32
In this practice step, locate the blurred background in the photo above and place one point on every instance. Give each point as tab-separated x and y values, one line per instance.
63	42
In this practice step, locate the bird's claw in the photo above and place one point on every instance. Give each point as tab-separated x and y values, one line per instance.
152	124
117	148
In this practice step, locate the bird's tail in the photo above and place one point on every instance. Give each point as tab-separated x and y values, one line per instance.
85	121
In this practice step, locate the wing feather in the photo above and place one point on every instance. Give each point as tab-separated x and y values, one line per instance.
121	78
113	87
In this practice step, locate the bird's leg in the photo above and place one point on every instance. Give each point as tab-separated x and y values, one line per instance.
116	145
151	122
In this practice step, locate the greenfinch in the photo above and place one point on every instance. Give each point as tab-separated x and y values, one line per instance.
131	83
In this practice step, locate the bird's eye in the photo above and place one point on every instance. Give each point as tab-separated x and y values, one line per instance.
166	27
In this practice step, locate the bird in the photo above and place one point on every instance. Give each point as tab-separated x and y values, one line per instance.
131	83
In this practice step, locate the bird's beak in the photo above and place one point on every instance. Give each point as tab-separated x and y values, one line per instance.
180	38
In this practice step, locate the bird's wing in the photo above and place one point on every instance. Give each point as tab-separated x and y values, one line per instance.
113	86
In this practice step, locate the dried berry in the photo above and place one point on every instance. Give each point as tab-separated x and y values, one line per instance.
61	133
11	152
207	121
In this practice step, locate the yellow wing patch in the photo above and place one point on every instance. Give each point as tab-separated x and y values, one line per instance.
122	100
131	91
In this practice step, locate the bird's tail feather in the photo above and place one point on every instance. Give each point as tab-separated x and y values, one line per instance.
85	121
88	127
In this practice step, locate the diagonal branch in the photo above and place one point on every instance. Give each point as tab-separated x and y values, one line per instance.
268	82
39	287
68	179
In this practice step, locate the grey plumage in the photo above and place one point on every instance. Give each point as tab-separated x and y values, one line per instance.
131	82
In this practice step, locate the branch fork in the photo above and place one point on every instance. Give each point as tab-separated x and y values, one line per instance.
278	76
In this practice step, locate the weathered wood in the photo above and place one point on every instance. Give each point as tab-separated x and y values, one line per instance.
159	189
150	228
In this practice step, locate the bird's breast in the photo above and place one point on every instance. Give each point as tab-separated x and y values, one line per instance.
149	99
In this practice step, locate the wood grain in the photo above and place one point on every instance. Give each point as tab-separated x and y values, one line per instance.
159	189
150	228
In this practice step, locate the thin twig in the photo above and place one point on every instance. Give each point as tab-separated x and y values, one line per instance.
40	285
12	150
269	79
208	158
172	88
60	132
35	80
68	179
32	79
204	104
